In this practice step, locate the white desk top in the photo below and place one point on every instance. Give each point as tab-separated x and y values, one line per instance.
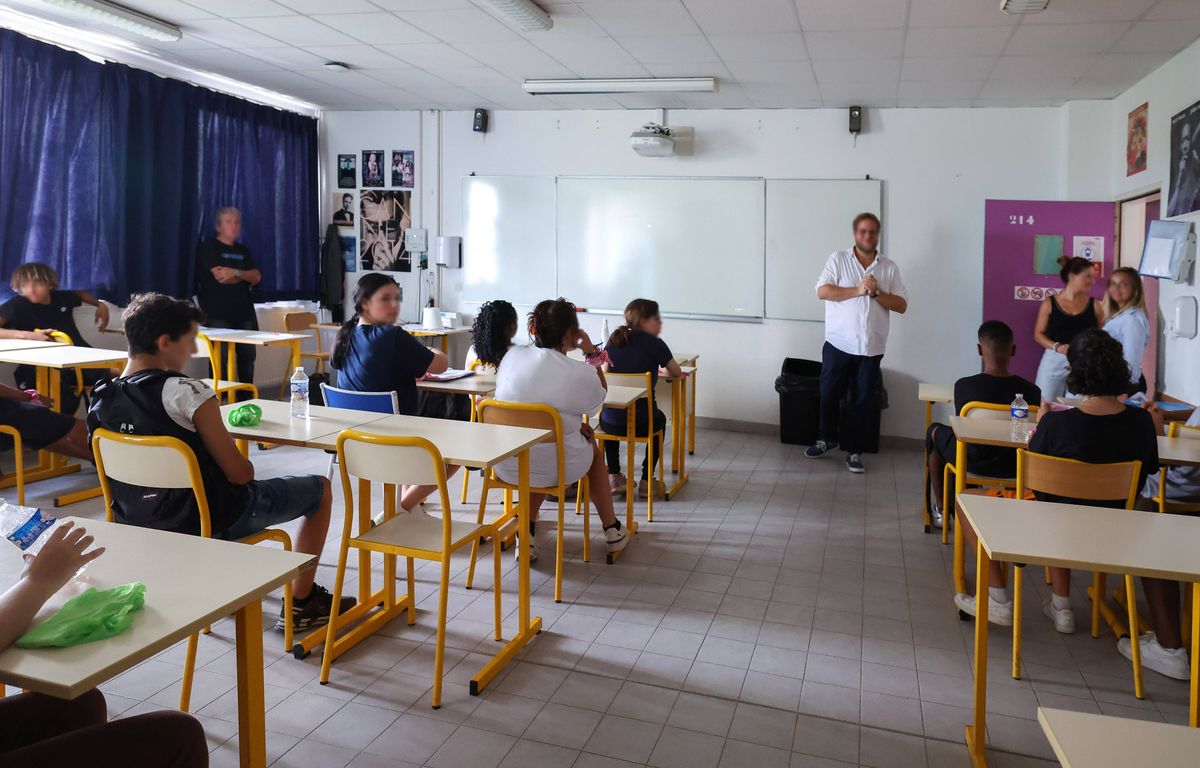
481	384
1179	451
981	431
686	358
1084	740
66	356
418	331
278	426
13	345
465	443
622	397
1086	537
257	338
190	582
935	393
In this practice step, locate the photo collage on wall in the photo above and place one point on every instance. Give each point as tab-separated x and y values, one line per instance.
375	242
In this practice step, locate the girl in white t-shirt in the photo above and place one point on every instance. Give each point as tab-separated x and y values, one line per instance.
542	373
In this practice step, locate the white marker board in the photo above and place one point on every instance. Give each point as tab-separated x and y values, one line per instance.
808	219
508	239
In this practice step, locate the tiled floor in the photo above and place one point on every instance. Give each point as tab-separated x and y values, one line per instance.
778	612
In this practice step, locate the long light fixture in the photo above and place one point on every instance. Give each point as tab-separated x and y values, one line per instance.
524	15
1023	6
622	85
121	17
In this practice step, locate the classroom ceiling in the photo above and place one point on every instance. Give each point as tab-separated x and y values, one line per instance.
453	54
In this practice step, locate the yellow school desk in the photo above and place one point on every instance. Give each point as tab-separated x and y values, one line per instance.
1120	541
51	361
680	425
229	337
930	394
625	399
1084	740
14	345
278	427
1178	451
690	362
466	444
190	583
416	331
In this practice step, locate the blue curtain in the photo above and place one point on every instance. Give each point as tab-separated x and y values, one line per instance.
111	175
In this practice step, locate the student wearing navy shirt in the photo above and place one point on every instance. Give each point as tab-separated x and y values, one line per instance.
635	347
225	274
373	354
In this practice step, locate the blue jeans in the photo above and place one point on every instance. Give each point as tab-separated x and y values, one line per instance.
859	375
274	501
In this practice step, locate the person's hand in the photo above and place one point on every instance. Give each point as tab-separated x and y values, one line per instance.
587	431
37	336
102	315
869	285
1159	416
585	342
60	558
224	275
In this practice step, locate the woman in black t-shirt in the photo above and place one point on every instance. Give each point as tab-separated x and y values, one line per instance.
1101	430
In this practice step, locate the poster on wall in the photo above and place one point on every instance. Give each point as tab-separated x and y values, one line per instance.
1135	140
343	208
1185	162
372	170
346	243
347	172
383	217
404	168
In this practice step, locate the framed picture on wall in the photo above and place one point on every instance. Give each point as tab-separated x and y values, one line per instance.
1185	162
1135	140
343	208
347	172
372	170
404	168
383	217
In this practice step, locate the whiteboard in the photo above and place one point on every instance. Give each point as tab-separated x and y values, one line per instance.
808	219
508	238
693	245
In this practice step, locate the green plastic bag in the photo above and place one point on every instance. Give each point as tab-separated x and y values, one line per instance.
246	415
93	615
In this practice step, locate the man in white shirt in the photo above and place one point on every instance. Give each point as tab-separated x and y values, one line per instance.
860	289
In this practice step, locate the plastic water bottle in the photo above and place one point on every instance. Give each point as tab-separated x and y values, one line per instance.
26	527
604	334
299	387
1019	410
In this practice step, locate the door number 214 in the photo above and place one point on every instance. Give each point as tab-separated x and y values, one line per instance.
1021	220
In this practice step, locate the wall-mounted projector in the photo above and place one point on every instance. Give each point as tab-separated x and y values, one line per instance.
653	140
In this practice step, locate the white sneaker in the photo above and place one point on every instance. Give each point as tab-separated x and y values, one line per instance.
616	538
533	552
1063	618
1154	656
1000	614
935	516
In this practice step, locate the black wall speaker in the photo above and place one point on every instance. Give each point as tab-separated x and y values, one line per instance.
480	123
855	119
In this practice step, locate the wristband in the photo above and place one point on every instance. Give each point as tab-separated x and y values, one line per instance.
597	358
246	415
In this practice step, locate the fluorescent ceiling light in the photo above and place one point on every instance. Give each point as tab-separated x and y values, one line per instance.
121	17
524	15
1023	6
623	85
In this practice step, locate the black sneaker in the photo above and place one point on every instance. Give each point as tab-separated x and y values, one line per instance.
819	449
314	611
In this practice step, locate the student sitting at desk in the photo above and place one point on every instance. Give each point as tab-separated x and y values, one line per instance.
153	398
1125	320
491	334
542	373
1101	430
41	427
40	308
373	354
47	731
636	348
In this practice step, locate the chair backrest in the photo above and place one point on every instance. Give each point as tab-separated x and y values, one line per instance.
1179	429
149	461
302	322
375	402
629	380
205	347
1077	479
392	460
977	409
532	415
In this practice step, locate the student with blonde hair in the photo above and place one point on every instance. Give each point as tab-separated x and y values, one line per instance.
1125	320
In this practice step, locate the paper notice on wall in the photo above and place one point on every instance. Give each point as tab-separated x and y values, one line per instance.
1089	247
1157	258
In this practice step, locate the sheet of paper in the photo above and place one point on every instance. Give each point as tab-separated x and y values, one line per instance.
1157	258
450	374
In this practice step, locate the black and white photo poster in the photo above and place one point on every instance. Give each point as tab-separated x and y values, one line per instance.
1185	162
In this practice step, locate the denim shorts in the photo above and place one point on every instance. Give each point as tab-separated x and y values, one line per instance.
275	501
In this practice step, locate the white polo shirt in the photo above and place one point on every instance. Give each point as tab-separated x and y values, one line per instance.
859	326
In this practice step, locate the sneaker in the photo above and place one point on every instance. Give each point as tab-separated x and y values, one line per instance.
819	449
999	613
616	538
1154	656
644	490
617	482
854	463
935	516
314	610
533	551
1063	618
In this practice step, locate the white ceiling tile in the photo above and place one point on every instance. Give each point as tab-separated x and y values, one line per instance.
640	17
1064	39
475	78
357	56
693	69
956	41
779	97
229	33
1127	67
569	21
298	30
648	100
939	94
668	50
423	5
1031	69
353	81
168	10
939	70
850	14
325	6
282	80
725	17
1017	101
727	96
958	13
798	73
222	60
766	46
865	94
594	57
1049	87
189	42
1175	9
463	25
375	28
863	44
429	55
242	9
288	57
518	59
582	101
857	71
1159	36
1093	88
1069	11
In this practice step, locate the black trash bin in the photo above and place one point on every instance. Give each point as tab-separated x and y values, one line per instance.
799	388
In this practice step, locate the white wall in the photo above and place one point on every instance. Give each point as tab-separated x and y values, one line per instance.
937	165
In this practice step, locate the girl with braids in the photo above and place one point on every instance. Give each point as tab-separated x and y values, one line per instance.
635	347
542	373
492	333
373	354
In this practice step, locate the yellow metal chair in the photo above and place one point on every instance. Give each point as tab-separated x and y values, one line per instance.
476	366
535	416
1176	429
63	338
18	448
393	461
302	322
1073	479
658	437
221	387
167	462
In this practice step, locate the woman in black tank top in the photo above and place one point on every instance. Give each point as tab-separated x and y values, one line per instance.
1060	319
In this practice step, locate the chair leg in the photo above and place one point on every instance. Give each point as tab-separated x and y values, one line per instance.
946	504
583	499
1098	587
1048	580
483	497
558	544
439	654
19	468
331	627
1017	597
412	594
1134	644
496	586
189	673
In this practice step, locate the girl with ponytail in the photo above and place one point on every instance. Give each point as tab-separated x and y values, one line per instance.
635	347
492	333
